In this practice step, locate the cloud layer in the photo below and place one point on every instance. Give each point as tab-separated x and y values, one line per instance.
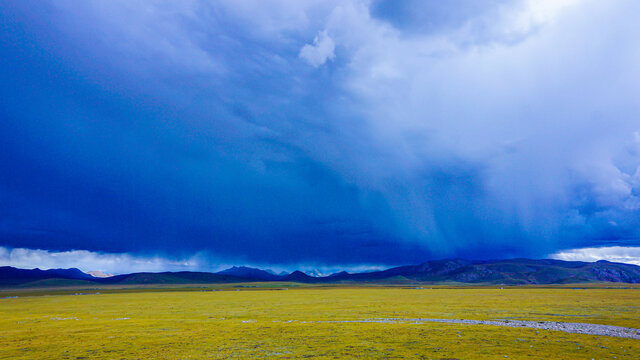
629	255
325	132
92	261
124	263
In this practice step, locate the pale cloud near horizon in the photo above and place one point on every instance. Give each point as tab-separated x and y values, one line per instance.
92	261
124	263
621	254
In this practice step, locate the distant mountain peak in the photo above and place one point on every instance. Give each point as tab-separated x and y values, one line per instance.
299	276
249	273
99	274
315	273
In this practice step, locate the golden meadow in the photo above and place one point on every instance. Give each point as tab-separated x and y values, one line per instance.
266	321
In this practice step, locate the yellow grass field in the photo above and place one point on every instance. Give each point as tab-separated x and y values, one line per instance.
282	324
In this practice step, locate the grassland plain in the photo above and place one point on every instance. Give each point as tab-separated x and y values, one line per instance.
266	323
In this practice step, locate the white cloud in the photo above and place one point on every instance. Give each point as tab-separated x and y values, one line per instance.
322	50
526	16
621	254
84	260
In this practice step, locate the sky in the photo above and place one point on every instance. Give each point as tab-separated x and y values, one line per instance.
161	135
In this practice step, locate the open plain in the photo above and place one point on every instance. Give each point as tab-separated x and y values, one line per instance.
290	321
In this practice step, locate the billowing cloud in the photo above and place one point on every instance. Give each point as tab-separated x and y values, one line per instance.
502	129
622	254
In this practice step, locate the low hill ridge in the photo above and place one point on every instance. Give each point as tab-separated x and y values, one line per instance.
508	272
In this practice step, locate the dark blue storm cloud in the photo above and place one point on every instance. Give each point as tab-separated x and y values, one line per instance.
289	132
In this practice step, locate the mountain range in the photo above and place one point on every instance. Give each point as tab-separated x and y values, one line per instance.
508	272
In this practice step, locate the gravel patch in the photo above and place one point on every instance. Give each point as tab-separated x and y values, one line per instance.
578	328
